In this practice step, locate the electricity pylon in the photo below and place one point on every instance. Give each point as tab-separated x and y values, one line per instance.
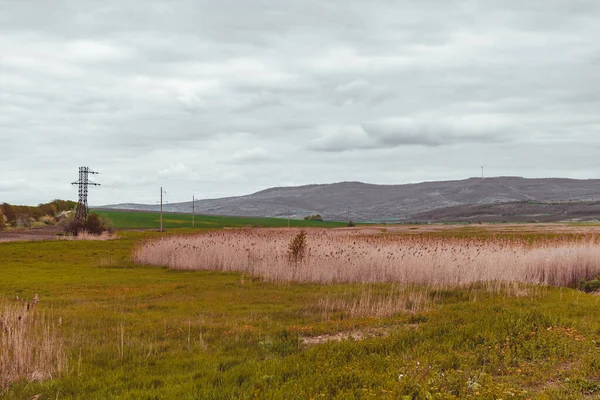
82	204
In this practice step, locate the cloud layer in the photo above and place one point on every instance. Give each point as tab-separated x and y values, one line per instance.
221	98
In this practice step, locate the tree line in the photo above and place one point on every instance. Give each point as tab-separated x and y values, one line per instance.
27	216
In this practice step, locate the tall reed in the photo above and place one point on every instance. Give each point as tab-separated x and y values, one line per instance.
374	302
342	256
30	344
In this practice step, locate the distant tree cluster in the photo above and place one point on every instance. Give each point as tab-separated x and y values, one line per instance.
43	214
315	217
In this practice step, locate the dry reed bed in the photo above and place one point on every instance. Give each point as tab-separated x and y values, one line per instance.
30	346
342	256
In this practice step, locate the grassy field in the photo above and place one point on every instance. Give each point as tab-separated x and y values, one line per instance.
151	220
141	332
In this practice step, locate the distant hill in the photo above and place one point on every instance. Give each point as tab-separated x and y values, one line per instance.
430	201
525	211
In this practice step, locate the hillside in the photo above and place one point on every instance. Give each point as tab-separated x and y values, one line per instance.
368	202
525	211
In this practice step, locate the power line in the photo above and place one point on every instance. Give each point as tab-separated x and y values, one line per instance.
82	204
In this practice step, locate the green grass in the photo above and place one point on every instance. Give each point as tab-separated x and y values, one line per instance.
208	335
151	220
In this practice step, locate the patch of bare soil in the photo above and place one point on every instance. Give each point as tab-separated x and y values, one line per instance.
23	234
338	337
356	334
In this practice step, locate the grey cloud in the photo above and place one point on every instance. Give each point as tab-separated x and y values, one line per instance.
256	101
343	138
439	132
250	156
360	91
424	131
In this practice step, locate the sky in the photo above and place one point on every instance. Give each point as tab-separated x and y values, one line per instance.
219	98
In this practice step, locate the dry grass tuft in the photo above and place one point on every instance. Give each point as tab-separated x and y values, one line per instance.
371	302
88	236
30	346
346	256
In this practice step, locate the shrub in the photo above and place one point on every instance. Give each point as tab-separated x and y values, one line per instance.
590	286
69	225
297	248
47	220
2	220
94	224
8	212
48	209
316	217
351	224
24	220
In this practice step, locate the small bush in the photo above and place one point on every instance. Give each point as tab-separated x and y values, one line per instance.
47	220
590	286
351	224
316	217
68	224
24	221
2	221
297	248
94	225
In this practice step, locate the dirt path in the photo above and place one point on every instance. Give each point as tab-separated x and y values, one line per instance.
44	233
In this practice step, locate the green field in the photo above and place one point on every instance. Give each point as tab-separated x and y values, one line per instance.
151	220
141	332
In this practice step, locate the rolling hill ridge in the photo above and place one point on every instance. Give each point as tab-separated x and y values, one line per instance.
492	198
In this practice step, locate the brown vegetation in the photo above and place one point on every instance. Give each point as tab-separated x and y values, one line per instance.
93	225
297	248
371	302
90	236
342	256
30	346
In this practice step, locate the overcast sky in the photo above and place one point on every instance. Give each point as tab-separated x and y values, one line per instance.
217	98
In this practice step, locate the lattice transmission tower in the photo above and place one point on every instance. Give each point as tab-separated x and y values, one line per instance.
82	205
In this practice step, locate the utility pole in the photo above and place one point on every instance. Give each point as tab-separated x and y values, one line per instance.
348	215
82	205
193	211
161	207
482	172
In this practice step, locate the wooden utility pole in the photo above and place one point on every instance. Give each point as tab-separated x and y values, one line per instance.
161	208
